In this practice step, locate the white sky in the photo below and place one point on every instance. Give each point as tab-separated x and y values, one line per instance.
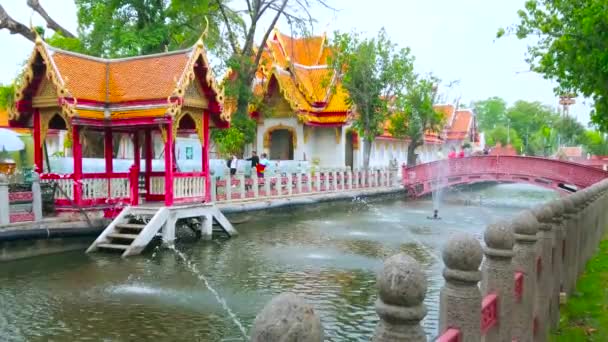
453	39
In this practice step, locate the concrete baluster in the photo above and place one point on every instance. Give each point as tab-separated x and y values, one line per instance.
544	275
525	227
334	178
460	299
228	187
267	182
369	174
309	182
242	186
255	184
497	278
287	318
567	212
355	181
318	181
5	207
557	217
213	188
349	175
377	179
289	184
299	182
380	177
36	197
401	289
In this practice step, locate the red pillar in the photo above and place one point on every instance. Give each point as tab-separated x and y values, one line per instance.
77	158
135	171
169	165
205	156
149	154
38	163
108	150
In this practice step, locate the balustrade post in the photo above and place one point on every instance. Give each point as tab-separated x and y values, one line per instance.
36	197
355	181
287	317
557	217
377	174
497	279
525	228
299	182
569	213
228	187
5	206
309	182
242	186
255	184
289	184
368	176
318	181
544	276
267	182
401	289
349	175
460	299
213	187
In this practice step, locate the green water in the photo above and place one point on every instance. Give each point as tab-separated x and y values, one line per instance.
328	254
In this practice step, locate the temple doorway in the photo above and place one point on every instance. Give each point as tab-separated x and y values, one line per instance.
281	144
348	150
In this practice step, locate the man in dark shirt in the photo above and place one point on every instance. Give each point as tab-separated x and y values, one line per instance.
255	160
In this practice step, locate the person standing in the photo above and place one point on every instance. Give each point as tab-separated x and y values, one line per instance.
255	160
461	153
232	165
452	153
261	166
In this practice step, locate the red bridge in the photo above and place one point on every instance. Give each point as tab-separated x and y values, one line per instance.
549	173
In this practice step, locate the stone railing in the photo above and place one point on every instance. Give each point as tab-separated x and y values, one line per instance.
508	290
23	205
240	187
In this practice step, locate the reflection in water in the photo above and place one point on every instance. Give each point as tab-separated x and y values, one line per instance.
329	255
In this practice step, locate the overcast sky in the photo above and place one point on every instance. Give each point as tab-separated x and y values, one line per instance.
453	39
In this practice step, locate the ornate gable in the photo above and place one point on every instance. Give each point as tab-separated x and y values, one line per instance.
194	96
46	95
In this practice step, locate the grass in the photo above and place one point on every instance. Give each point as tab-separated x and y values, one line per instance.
585	315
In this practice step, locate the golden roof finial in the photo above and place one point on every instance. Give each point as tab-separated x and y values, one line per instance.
38	39
200	43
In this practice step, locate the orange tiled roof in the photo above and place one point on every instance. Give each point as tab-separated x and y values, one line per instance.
3	118
572	151
91	84
299	65
461	125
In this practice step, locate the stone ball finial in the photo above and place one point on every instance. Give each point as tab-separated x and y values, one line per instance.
401	281
569	204
498	235
525	223
462	252
543	213
287	318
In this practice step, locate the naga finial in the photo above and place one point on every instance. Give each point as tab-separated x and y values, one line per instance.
204	34
38	39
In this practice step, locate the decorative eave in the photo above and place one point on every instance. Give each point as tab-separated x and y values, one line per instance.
51	73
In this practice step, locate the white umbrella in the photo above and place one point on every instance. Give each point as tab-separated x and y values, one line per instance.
10	141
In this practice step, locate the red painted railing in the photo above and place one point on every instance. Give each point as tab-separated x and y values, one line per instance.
489	312
519	286
450	335
422	179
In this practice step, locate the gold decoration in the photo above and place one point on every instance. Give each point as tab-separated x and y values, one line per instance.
338	135
198	124
306	133
294	136
45	118
163	133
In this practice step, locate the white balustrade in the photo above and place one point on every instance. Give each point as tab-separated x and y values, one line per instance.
157	185
189	187
119	188
94	188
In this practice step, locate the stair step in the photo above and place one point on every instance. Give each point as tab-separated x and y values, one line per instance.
122	236
130	226
112	246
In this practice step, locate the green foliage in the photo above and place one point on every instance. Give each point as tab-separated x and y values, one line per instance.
504	136
490	112
595	143
585	316
7	96
229	141
569	47
374	72
119	28
415	113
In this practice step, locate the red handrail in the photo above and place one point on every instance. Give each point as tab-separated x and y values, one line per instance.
450	335
489	312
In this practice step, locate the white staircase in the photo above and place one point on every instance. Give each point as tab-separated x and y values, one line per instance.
135	227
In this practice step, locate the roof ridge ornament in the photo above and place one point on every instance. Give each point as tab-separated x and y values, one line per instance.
38	40
200	41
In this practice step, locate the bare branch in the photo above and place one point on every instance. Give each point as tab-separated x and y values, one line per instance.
50	23
15	27
268	31
231	35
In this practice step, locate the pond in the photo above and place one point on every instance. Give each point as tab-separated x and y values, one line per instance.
329	254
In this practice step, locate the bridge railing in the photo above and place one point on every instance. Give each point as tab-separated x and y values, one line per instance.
510	289
424	178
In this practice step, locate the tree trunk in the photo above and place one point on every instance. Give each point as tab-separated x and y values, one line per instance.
367	151
411	154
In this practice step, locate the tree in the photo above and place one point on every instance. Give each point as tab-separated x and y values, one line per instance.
415	114
570	131
505	137
570	47
375	74
490	112
595	143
